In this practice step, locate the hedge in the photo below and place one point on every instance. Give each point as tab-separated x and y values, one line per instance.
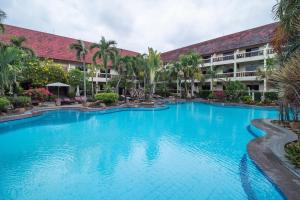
107	97
20	101
4	103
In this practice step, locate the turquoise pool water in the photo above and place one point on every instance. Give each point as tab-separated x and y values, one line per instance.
187	151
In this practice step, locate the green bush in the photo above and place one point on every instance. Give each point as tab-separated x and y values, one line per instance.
20	101
247	100
107	97
272	96
4	103
293	153
234	90
257	96
204	94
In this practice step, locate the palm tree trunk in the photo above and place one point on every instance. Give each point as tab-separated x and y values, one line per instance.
106	75
192	87
84	79
92	86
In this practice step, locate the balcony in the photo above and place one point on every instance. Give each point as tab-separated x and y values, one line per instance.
223	58
225	75
239	57
250	54
246	73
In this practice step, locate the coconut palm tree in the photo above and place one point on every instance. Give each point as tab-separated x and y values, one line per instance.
2	17
8	55
154	63
126	72
19	43
106	50
81	51
92	71
287	35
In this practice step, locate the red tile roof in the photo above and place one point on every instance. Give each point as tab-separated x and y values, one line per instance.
255	36
51	46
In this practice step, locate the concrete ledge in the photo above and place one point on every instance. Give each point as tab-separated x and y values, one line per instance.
123	107
269	155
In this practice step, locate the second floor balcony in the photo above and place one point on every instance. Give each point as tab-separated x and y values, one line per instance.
239	57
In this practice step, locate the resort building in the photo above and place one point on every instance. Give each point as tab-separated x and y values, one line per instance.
237	56
57	48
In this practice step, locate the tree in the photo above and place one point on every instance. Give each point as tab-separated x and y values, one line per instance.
287	36
75	78
234	90
2	17
106	51
8	55
153	65
18	42
92	71
81	51
125	72
36	73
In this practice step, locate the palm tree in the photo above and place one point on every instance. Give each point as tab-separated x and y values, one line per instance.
92	71
2	17
195	72
153	64
126	71
18	42
287	36
141	69
81	52
106	51
8	55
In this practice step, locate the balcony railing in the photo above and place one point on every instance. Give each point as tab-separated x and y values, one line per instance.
225	75
206	60
246	73
223	58
250	54
102	75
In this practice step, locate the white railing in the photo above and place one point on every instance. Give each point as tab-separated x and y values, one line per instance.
246	73
239	55
250	54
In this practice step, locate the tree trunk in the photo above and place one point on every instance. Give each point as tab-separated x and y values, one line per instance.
84	79
106	76
92	86
192	87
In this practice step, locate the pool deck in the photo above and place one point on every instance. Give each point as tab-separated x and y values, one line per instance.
269	155
267	152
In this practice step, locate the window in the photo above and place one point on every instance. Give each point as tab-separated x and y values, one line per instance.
250	68
228	70
253	87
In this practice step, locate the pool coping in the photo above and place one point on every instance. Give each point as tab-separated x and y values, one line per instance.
268	154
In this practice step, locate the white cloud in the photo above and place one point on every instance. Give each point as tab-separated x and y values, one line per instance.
137	24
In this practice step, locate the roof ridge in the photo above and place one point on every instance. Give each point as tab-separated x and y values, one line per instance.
224	36
61	36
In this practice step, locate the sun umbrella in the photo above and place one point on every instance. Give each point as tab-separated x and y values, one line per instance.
58	85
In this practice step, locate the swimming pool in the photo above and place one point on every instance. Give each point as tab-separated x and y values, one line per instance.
185	151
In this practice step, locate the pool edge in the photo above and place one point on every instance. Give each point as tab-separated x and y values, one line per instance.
267	152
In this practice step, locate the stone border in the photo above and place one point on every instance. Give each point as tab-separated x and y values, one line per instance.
40	111
269	155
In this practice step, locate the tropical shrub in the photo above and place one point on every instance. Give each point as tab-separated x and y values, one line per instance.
247	100
219	94
293	153
107	97
39	94
257	96
234	90
36	73
272	96
204	94
4	103
20	101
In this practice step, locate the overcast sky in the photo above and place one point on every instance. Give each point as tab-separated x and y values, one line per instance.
137	24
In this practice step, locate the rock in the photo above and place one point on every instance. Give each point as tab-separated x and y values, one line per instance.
102	105
20	110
